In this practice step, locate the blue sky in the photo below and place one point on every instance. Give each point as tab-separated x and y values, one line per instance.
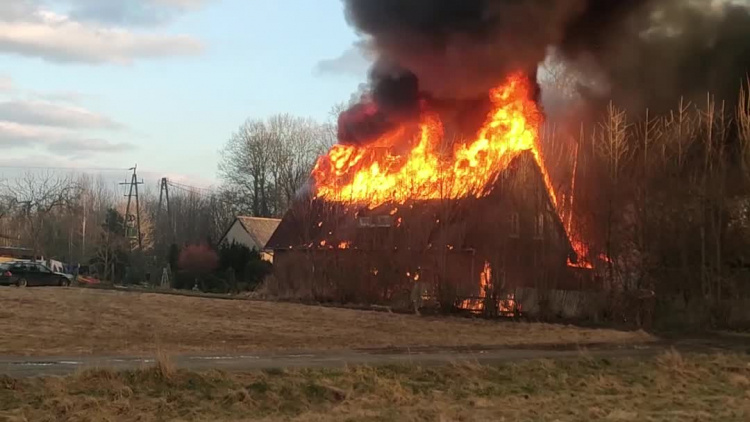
162	83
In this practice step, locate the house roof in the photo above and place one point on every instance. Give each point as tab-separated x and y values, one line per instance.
259	229
462	223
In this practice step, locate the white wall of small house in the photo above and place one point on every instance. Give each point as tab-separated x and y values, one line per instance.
238	234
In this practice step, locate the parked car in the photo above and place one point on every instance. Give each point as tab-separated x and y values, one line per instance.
23	274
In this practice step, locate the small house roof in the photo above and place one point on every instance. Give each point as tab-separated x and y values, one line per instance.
259	229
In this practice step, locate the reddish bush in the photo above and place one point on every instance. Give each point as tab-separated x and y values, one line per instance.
198	259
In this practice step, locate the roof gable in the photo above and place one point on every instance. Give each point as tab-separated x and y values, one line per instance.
259	229
318	223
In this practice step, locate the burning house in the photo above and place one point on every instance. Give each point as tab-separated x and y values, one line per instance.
439	187
409	217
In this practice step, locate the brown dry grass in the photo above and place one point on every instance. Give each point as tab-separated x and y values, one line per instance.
82	322
669	388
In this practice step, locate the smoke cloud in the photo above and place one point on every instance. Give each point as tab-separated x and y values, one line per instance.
653	55
644	53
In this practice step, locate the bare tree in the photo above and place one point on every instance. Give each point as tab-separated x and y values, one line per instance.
35	197
295	152
111	244
267	161
246	165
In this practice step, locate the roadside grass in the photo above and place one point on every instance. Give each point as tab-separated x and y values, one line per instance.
73	322
671	387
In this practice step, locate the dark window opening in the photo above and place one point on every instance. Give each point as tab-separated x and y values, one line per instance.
515	225
539	226
382	221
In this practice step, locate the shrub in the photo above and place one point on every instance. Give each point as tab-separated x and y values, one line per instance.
247	265
199	260
235	256
256	271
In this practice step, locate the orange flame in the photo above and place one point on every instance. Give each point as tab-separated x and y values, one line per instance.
485	277
380	172
374	175
507	306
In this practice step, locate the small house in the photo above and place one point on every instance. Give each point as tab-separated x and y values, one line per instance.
253	232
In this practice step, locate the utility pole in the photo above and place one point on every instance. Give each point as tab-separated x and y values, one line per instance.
83	225
164	193
133	220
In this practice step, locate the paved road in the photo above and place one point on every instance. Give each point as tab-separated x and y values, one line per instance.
19	367
58	366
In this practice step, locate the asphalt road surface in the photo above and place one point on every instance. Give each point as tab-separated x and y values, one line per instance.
19	367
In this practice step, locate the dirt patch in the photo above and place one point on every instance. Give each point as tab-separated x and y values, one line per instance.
37	322
671	387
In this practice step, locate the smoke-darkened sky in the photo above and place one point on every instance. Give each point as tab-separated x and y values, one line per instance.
647	53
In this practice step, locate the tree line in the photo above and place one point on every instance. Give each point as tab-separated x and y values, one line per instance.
81	219
665	199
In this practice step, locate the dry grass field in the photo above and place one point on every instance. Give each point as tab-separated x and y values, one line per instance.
671	387
85	322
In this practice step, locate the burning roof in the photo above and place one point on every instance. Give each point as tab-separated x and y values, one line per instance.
419	225
414	161
400	166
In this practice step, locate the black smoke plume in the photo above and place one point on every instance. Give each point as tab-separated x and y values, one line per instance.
652	55
642	53
394	98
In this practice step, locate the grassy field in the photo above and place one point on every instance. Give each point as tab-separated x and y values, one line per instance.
668	388
84	322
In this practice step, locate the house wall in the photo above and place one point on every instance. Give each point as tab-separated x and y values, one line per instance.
561	304
446	242
351	276
238	234
377	277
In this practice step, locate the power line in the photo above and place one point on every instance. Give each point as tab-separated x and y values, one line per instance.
182	185
189	189
100	169
204	193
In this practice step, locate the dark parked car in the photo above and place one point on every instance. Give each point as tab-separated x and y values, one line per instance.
24	274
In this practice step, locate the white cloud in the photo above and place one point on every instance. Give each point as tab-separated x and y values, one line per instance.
44	113
131	12
54	139
354	61
50	122
8	89
6	84
15	133
13	166
35	31
79	147
11	10
71	97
